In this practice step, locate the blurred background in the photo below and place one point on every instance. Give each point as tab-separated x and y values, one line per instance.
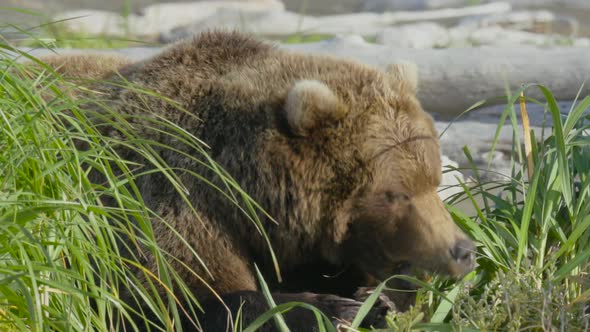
318	7
576	9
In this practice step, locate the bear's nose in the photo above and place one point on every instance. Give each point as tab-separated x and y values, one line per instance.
464	253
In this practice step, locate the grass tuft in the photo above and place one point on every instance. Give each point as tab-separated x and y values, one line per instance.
67	257
533	251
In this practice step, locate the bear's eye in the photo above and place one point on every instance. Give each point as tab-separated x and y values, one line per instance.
390	196
395	196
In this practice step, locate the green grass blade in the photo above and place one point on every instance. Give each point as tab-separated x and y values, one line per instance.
367	305
580	259
523	232
285	307
575	115
564	170
445	307
442	327
279	320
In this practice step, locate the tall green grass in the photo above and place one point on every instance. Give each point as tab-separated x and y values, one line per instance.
59	257
61	265
532	230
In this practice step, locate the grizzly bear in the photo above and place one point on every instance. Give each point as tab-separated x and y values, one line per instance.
341	155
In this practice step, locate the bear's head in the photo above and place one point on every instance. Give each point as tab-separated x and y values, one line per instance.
389	214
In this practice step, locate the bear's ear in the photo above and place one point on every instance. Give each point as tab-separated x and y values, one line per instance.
311	104
404	74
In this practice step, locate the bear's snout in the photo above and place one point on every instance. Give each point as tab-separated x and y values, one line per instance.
463	254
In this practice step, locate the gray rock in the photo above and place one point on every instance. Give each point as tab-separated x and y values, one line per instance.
419	35
478	138
166	16
508	29
264	17
390	5
229	19
285	23
451	179
158	18
539	28
498	36
540	3
539	21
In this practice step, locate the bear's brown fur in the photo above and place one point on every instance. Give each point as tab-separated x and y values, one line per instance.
340	154
85	66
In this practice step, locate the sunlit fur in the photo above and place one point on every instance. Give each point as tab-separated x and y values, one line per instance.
85	66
